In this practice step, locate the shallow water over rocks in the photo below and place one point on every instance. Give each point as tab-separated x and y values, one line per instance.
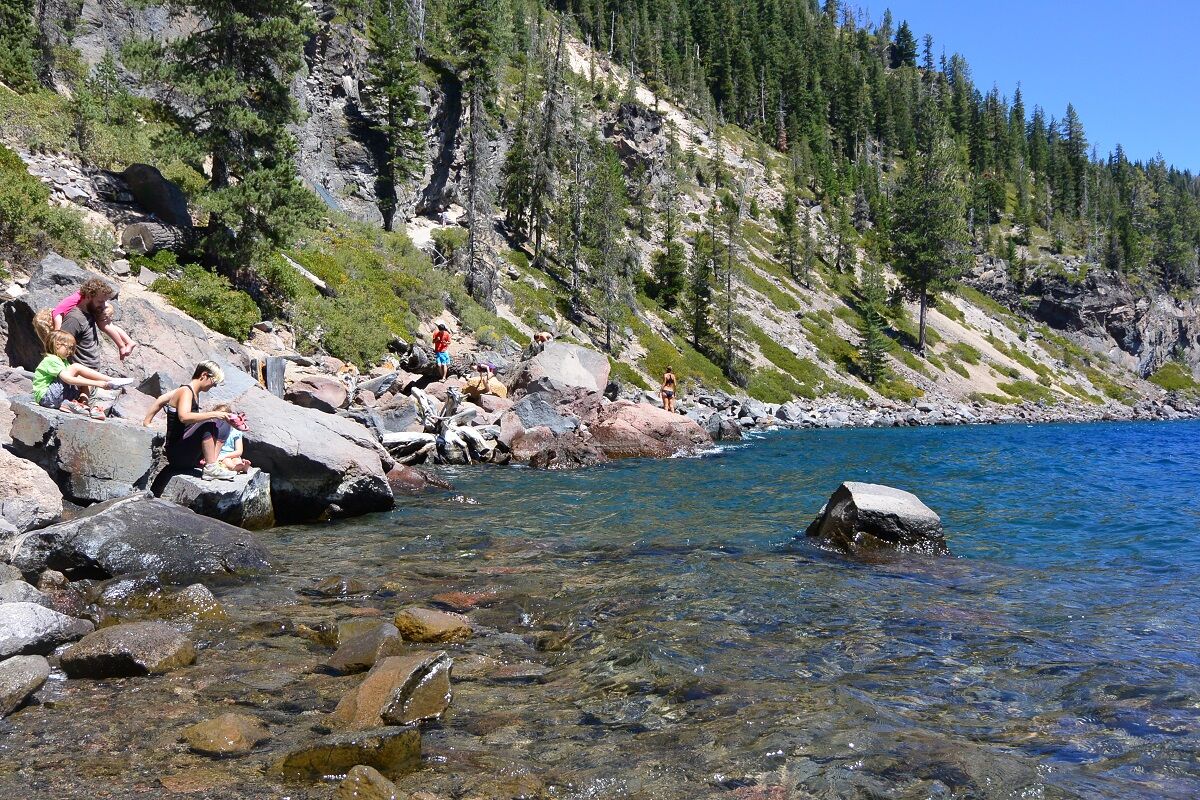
655	630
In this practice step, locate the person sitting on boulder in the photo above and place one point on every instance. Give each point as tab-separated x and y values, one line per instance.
194	435
232	452
109	328
82	318
540	340
441	349
59	384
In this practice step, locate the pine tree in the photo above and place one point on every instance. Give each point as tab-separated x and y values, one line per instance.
17	45
730	215
788	244
844	238
930	235
670	263
233	75
904	51
392	94
478	40
873	346
707	254
608	254
808	249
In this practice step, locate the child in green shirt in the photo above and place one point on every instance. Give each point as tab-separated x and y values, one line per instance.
59	384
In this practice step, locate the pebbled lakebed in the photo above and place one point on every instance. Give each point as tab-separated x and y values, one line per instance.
655	630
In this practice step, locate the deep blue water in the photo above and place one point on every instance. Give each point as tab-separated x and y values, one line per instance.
1054	656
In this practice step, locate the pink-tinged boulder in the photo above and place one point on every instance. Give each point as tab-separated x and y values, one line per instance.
562	364
493	404
28	497
399	690
637	430
320	392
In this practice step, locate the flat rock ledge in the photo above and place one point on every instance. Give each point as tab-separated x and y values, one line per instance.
865	519
244	501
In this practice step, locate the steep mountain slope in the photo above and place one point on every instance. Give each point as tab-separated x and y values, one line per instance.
1037	326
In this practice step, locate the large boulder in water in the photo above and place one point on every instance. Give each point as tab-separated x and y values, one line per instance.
140	533
865	518
320	464
92	460
631	430
563	364
28	497
20	677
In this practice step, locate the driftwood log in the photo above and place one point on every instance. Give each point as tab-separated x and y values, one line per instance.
148	238
447	438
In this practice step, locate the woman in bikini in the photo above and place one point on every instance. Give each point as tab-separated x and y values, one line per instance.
668	390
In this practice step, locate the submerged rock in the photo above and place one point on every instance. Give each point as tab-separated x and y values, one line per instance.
244	501
427	625
20	677
29	628
365	783
140	534
391	749
134	648
399	690
226	735
864	518
360	653
411	480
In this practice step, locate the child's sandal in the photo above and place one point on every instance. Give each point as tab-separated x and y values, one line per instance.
73	407
97	413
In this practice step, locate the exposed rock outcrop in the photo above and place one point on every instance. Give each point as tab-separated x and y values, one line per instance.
563	364
140	533
863	519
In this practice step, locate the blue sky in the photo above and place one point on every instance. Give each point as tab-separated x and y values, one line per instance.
1132	69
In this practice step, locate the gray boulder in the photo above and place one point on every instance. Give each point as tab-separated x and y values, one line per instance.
320	464
865	518
122	651
156	194
565	364
721	428
244	501
753	409
91	460
21	592
534	412
27	628
790	412
140	533
28	497
20	677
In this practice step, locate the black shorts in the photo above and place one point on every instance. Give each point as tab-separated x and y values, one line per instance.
668	393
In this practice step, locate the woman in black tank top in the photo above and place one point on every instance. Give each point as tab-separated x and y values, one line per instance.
193	434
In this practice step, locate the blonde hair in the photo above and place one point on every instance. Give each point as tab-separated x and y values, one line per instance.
60	340
209	368
43	326
223	407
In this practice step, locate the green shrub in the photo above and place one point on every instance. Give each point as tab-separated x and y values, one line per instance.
1108	386
965	352
29	225
1174	377
898	389
772	386
808	377
1030	391
347	326
209	298
626	375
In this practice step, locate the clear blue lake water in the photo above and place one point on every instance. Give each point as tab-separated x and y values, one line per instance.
661	629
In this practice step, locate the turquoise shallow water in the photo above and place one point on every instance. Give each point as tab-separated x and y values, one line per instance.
657	630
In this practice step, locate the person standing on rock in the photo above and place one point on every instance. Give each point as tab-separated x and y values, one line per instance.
193	434
668	390
441	350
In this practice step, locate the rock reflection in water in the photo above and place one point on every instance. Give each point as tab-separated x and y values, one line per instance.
654	630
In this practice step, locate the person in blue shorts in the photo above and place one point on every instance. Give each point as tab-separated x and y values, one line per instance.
441	350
